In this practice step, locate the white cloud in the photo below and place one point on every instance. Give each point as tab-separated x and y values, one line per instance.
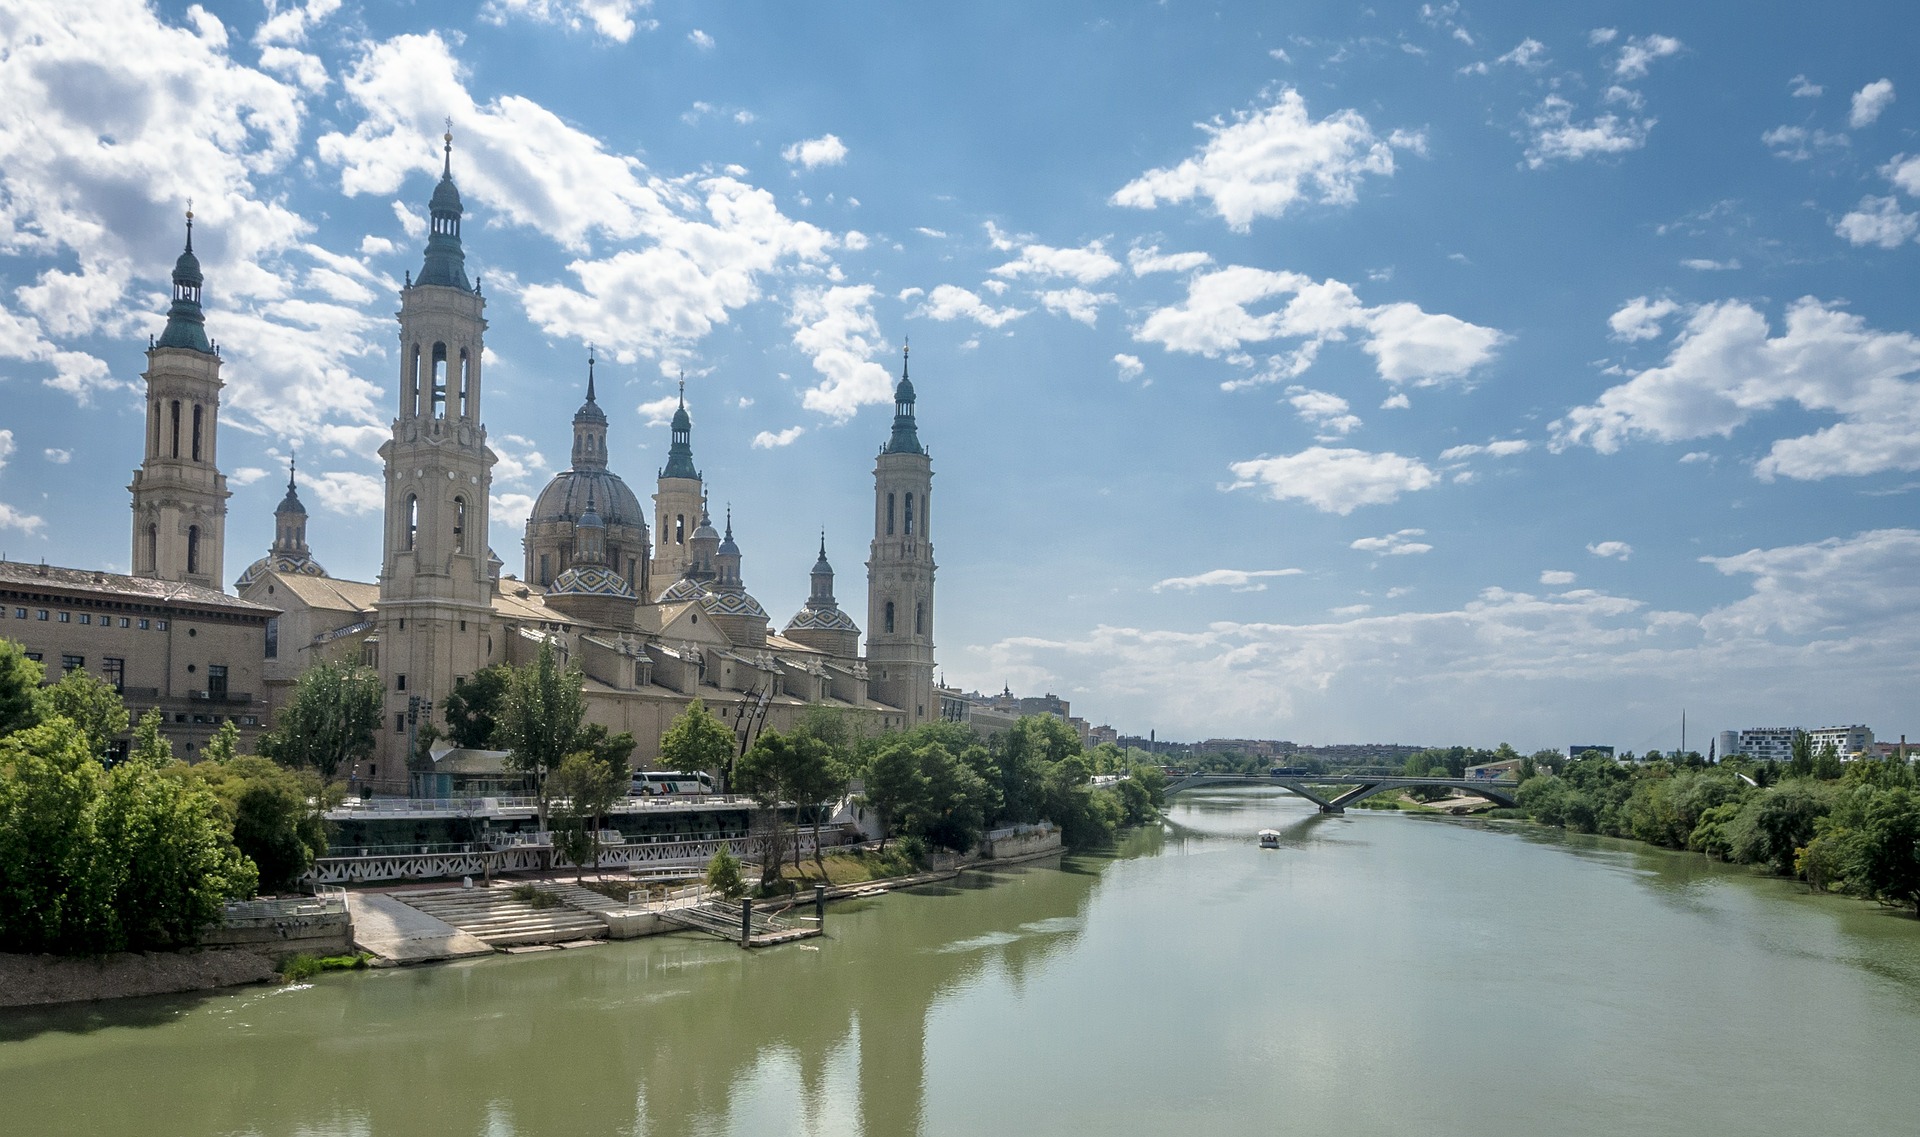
826	150
936	234
371	246
7	447
1798	143
1600	37
1553	134
11	518
612	19
350	493
1725	366
1399	544
510	510
1530	54
768	440
951	302
1556	577
1613	550
700	39
1825	624
1503	448
1396	402
1130	366
1088	265
1904	172
56	455
1639	319
1869	101
1640	52
1408	345
245	475
1693	456
1151	259
1330	414
1334	481
1240	580
1878	221
836	328
518	458
1266	161
1076	303
659	412
1801	88
1704	264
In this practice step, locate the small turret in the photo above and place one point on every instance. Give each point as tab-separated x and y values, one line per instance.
590	429
906	436
186	323
446	262
680	451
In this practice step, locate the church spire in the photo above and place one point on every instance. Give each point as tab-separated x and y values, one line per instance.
186	323
590	429
446	262
680	452
906	436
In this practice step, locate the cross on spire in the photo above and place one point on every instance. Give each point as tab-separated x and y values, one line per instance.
446	170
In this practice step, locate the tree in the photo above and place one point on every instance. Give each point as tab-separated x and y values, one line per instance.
166	858
20	680
894	785
540	720
1800	765
1826	763
473	706
696	741
723	873
615	751
329	722
90	704
586	787
818	776
277	815
224	746
766	771
1889	847
49	900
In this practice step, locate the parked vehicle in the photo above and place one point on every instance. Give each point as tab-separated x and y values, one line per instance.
653	783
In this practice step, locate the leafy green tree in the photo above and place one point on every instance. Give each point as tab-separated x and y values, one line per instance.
329	722
697	741
818	776
586	788
473	706
1712	834
49	897
90	704
1826	763
765	771
1775	823
1800	764
1889	847
224	746
956	800
723	874
895	785
614	751
20	680
540	720
169	861
277	815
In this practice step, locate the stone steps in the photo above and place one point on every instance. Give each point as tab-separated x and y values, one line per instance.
496	917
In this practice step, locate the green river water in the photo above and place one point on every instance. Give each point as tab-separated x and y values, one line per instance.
1379	974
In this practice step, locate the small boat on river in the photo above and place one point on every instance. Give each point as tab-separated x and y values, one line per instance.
1269	838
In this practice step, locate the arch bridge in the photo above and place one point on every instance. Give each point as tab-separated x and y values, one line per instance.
1334	792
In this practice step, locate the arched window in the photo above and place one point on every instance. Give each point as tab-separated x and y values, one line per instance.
459	524
926	514
465	409
157	417
888	622
196	431
412	521
175	410
439	379
909	514
889	515
153	548
919	618
546	569
679	528
410	395
193	548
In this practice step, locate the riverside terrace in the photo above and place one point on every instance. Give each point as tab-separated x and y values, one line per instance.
437	838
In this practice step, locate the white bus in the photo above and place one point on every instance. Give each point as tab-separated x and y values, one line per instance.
652	783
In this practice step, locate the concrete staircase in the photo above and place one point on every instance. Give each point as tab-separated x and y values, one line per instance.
495	917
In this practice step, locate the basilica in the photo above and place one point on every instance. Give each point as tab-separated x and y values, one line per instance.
654	615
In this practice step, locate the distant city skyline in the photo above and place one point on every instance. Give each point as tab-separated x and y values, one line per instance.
1456	374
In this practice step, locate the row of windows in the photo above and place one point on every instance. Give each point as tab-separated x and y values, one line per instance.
919	617
171	423
909	512
459	522
87	618
113	669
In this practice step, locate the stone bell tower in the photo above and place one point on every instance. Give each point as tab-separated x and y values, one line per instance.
434	615
179	494
900	569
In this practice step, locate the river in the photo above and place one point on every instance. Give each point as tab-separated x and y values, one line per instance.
1378	974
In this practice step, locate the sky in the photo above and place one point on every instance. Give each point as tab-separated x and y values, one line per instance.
1428	373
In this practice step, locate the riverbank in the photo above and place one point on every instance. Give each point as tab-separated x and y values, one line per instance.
41	980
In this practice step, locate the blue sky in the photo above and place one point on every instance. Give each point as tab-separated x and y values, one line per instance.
1432	373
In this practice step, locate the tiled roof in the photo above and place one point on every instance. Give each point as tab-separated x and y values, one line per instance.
132	587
